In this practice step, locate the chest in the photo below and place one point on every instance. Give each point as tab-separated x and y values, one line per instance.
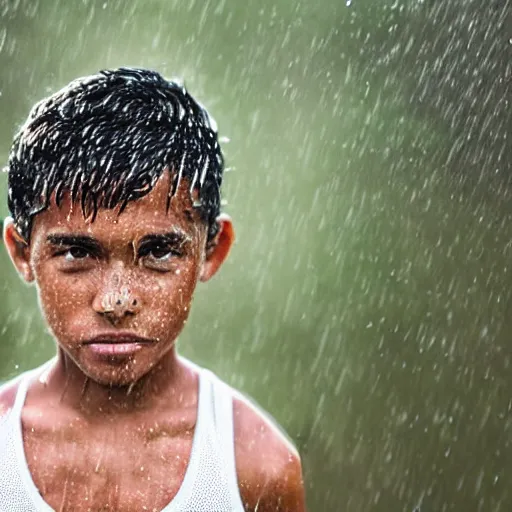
109	469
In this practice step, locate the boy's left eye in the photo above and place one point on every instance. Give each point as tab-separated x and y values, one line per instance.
157	254
161	253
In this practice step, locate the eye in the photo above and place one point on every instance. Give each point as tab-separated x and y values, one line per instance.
160	253
158	256
75	258
75	253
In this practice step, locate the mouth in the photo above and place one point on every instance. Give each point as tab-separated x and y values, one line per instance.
116	345
117	339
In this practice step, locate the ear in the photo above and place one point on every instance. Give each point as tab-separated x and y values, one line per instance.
18	250
217	249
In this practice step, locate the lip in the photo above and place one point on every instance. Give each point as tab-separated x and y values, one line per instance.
115	349
117	344
117	338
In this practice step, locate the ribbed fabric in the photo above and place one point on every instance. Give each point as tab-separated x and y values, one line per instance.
210	483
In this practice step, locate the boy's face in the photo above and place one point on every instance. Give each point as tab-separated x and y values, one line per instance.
131	275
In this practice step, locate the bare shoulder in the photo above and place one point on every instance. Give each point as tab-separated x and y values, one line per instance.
8	396
268	465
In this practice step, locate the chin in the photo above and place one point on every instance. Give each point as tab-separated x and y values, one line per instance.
115	373
115	379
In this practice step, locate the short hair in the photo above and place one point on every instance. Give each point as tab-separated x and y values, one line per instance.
106	139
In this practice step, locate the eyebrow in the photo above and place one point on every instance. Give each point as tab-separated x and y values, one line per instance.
88	242
176	237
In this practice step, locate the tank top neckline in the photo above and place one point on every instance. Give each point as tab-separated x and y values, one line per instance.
203	396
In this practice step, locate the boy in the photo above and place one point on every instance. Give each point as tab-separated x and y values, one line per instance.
114	193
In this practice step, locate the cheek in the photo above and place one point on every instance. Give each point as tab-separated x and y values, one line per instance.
63	299
167	306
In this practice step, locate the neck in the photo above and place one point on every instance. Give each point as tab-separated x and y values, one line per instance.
170	384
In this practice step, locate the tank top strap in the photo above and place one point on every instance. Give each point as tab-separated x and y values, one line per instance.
225	434
24	382
21	393
25	491
203	426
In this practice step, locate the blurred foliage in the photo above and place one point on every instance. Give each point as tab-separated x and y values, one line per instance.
366	303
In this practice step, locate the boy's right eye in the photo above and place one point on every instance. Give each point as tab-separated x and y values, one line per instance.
75	253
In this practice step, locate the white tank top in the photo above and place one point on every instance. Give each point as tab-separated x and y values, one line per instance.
210	481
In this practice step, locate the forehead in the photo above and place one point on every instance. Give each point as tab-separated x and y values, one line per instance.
147	214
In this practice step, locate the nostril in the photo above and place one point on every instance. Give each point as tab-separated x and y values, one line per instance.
134	302
118	302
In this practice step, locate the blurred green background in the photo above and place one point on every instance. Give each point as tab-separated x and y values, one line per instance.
367	303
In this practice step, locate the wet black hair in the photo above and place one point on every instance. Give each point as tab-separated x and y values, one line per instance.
106	139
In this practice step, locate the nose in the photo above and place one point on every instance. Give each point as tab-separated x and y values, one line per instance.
116	303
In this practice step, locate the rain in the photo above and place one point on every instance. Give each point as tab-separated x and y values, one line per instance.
365	304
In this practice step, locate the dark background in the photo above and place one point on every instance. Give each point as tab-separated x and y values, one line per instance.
367	303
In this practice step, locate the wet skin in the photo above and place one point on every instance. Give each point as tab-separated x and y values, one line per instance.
111	425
